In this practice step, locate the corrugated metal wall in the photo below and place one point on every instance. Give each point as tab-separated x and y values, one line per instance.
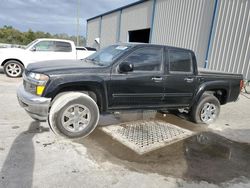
93	31
184	23
230	49
135	18
109	29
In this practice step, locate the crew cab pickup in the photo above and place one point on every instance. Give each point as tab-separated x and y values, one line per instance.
14	60
72	94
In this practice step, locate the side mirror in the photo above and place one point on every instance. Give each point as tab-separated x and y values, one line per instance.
97	40
126	67
33	49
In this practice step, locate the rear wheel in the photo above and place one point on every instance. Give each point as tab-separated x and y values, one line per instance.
13	69
206	110
74	115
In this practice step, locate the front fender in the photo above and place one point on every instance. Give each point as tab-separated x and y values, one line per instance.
96	85
13	54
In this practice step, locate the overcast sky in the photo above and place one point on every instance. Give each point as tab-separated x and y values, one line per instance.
54	16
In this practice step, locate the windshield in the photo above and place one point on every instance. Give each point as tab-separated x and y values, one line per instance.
30	44
106	56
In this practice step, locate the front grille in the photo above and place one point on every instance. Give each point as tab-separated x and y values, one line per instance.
29	87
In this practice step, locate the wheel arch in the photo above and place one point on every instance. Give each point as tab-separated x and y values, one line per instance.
220	89
97	93
6	60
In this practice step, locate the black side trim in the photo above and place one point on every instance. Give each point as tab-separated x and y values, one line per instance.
152	95
138	95
147	107
178	94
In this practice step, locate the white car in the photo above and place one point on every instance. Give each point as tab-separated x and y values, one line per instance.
14	60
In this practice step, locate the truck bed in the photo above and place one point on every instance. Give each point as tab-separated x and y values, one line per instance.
208	72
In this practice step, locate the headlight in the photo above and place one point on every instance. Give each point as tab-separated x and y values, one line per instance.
39	77
39	80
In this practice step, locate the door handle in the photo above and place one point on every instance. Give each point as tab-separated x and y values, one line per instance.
189	80
157	79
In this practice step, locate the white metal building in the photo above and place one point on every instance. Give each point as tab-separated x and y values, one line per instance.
218	31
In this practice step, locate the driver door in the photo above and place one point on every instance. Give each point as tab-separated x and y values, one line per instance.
141	87
42	51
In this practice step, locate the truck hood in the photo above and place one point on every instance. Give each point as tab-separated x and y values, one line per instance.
61	66
12	51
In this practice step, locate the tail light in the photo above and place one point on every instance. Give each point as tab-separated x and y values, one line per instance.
241	84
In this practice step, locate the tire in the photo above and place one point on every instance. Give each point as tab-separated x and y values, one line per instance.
73	115
13	69
206	110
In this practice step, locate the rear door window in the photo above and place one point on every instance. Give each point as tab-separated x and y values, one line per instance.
62	46
180	61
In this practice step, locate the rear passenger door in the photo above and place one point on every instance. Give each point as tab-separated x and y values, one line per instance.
180	81
63	50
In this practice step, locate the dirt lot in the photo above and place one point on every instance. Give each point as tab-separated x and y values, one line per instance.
32	156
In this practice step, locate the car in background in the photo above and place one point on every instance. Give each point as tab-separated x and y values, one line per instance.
85	50
14	60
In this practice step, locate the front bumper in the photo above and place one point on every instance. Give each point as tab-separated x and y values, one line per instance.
37	107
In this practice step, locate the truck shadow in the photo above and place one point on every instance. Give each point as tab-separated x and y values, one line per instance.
205	156
17	170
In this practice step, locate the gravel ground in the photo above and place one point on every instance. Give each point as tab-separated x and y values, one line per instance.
32	156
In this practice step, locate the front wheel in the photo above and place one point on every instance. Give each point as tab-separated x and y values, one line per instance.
74	115
206	110
13	69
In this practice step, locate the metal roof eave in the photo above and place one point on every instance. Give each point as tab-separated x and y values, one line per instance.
118	9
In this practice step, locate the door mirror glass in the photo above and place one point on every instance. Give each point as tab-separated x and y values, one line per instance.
126	67
33	49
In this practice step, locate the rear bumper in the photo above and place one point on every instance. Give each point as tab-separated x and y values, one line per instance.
37	107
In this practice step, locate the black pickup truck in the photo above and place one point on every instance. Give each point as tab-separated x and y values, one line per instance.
72	94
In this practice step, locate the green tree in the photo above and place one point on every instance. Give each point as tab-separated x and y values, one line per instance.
10	35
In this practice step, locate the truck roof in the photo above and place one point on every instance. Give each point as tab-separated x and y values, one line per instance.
63	40
147	44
